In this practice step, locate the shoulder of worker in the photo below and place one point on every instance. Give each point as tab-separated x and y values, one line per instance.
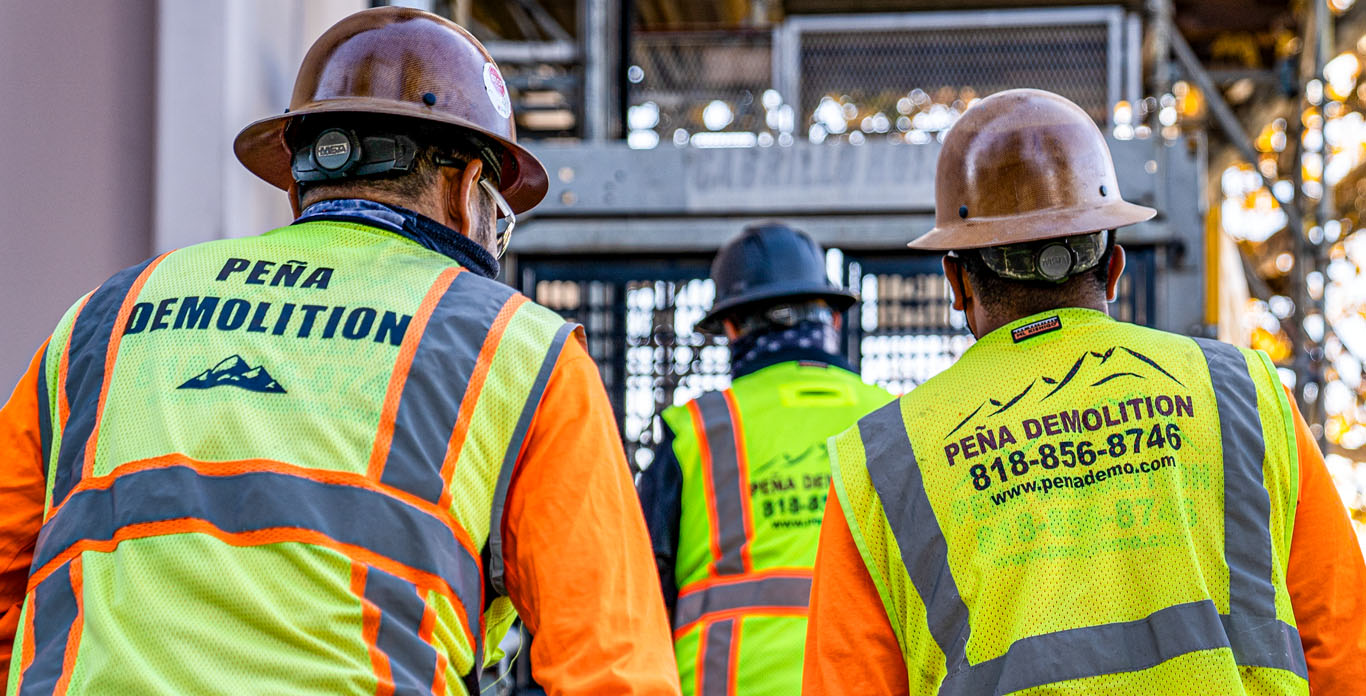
527	327
676	418
294	257
815	371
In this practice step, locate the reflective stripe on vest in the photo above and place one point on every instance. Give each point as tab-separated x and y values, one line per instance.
391	604
45	660
1250	630
716	419
428	411
786	589
407	544
87	361
765	489
718	654
44	413
496	572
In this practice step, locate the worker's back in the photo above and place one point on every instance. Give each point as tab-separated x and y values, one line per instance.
750	521
274	461
1087	503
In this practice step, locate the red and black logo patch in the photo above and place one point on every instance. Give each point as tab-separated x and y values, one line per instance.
1033	329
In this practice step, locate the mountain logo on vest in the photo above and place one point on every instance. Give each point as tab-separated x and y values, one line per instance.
1090	369
235	372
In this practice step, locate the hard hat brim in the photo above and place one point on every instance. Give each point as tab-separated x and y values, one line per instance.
1036	226
839	299
261	147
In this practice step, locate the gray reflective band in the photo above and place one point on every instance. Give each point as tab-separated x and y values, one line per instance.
1263	642
1247	504
500	491
1251	631
784	592
1127	646
728	498
896	478
438	382
1247	518
716	664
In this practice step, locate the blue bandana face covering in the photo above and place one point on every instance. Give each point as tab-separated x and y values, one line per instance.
808	336
415	226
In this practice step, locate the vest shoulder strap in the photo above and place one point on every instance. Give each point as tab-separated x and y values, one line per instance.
544	335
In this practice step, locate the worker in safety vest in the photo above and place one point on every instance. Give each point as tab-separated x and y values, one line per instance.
331	459
1077	505
734	495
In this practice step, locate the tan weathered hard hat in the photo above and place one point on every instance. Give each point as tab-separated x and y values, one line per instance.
1024	165
396	61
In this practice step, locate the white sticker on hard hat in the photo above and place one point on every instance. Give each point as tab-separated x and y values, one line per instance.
497	90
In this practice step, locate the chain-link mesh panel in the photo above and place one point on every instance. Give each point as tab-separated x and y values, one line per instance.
639	315
907	330
681	73
903	73
852	82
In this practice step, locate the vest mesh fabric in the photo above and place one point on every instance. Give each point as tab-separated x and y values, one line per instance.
785	412
1085	552
55	361
288	355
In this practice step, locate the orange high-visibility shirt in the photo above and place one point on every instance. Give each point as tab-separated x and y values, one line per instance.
851	649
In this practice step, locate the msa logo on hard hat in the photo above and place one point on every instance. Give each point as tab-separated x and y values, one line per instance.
332	151
338	153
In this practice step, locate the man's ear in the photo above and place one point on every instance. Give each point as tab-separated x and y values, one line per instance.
953	271
294	199
1113	273
462	199
732	331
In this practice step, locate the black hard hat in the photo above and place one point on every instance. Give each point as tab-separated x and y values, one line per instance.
767	263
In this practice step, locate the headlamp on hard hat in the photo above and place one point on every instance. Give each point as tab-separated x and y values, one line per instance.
338	153
341	153
1051	260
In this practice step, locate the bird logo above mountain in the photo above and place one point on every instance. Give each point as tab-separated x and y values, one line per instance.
1090	369
233	371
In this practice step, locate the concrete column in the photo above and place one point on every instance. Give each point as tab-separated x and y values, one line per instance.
76	158
223	65
118	121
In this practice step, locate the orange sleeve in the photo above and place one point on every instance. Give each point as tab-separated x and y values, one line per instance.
1326	578
22	489
850	646
579	566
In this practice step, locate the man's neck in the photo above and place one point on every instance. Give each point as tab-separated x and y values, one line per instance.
990	321
409	223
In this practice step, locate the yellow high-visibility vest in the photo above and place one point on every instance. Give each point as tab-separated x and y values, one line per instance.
275	464
755	479
1080	505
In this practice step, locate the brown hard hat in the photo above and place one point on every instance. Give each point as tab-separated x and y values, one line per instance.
395	61
1024	165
